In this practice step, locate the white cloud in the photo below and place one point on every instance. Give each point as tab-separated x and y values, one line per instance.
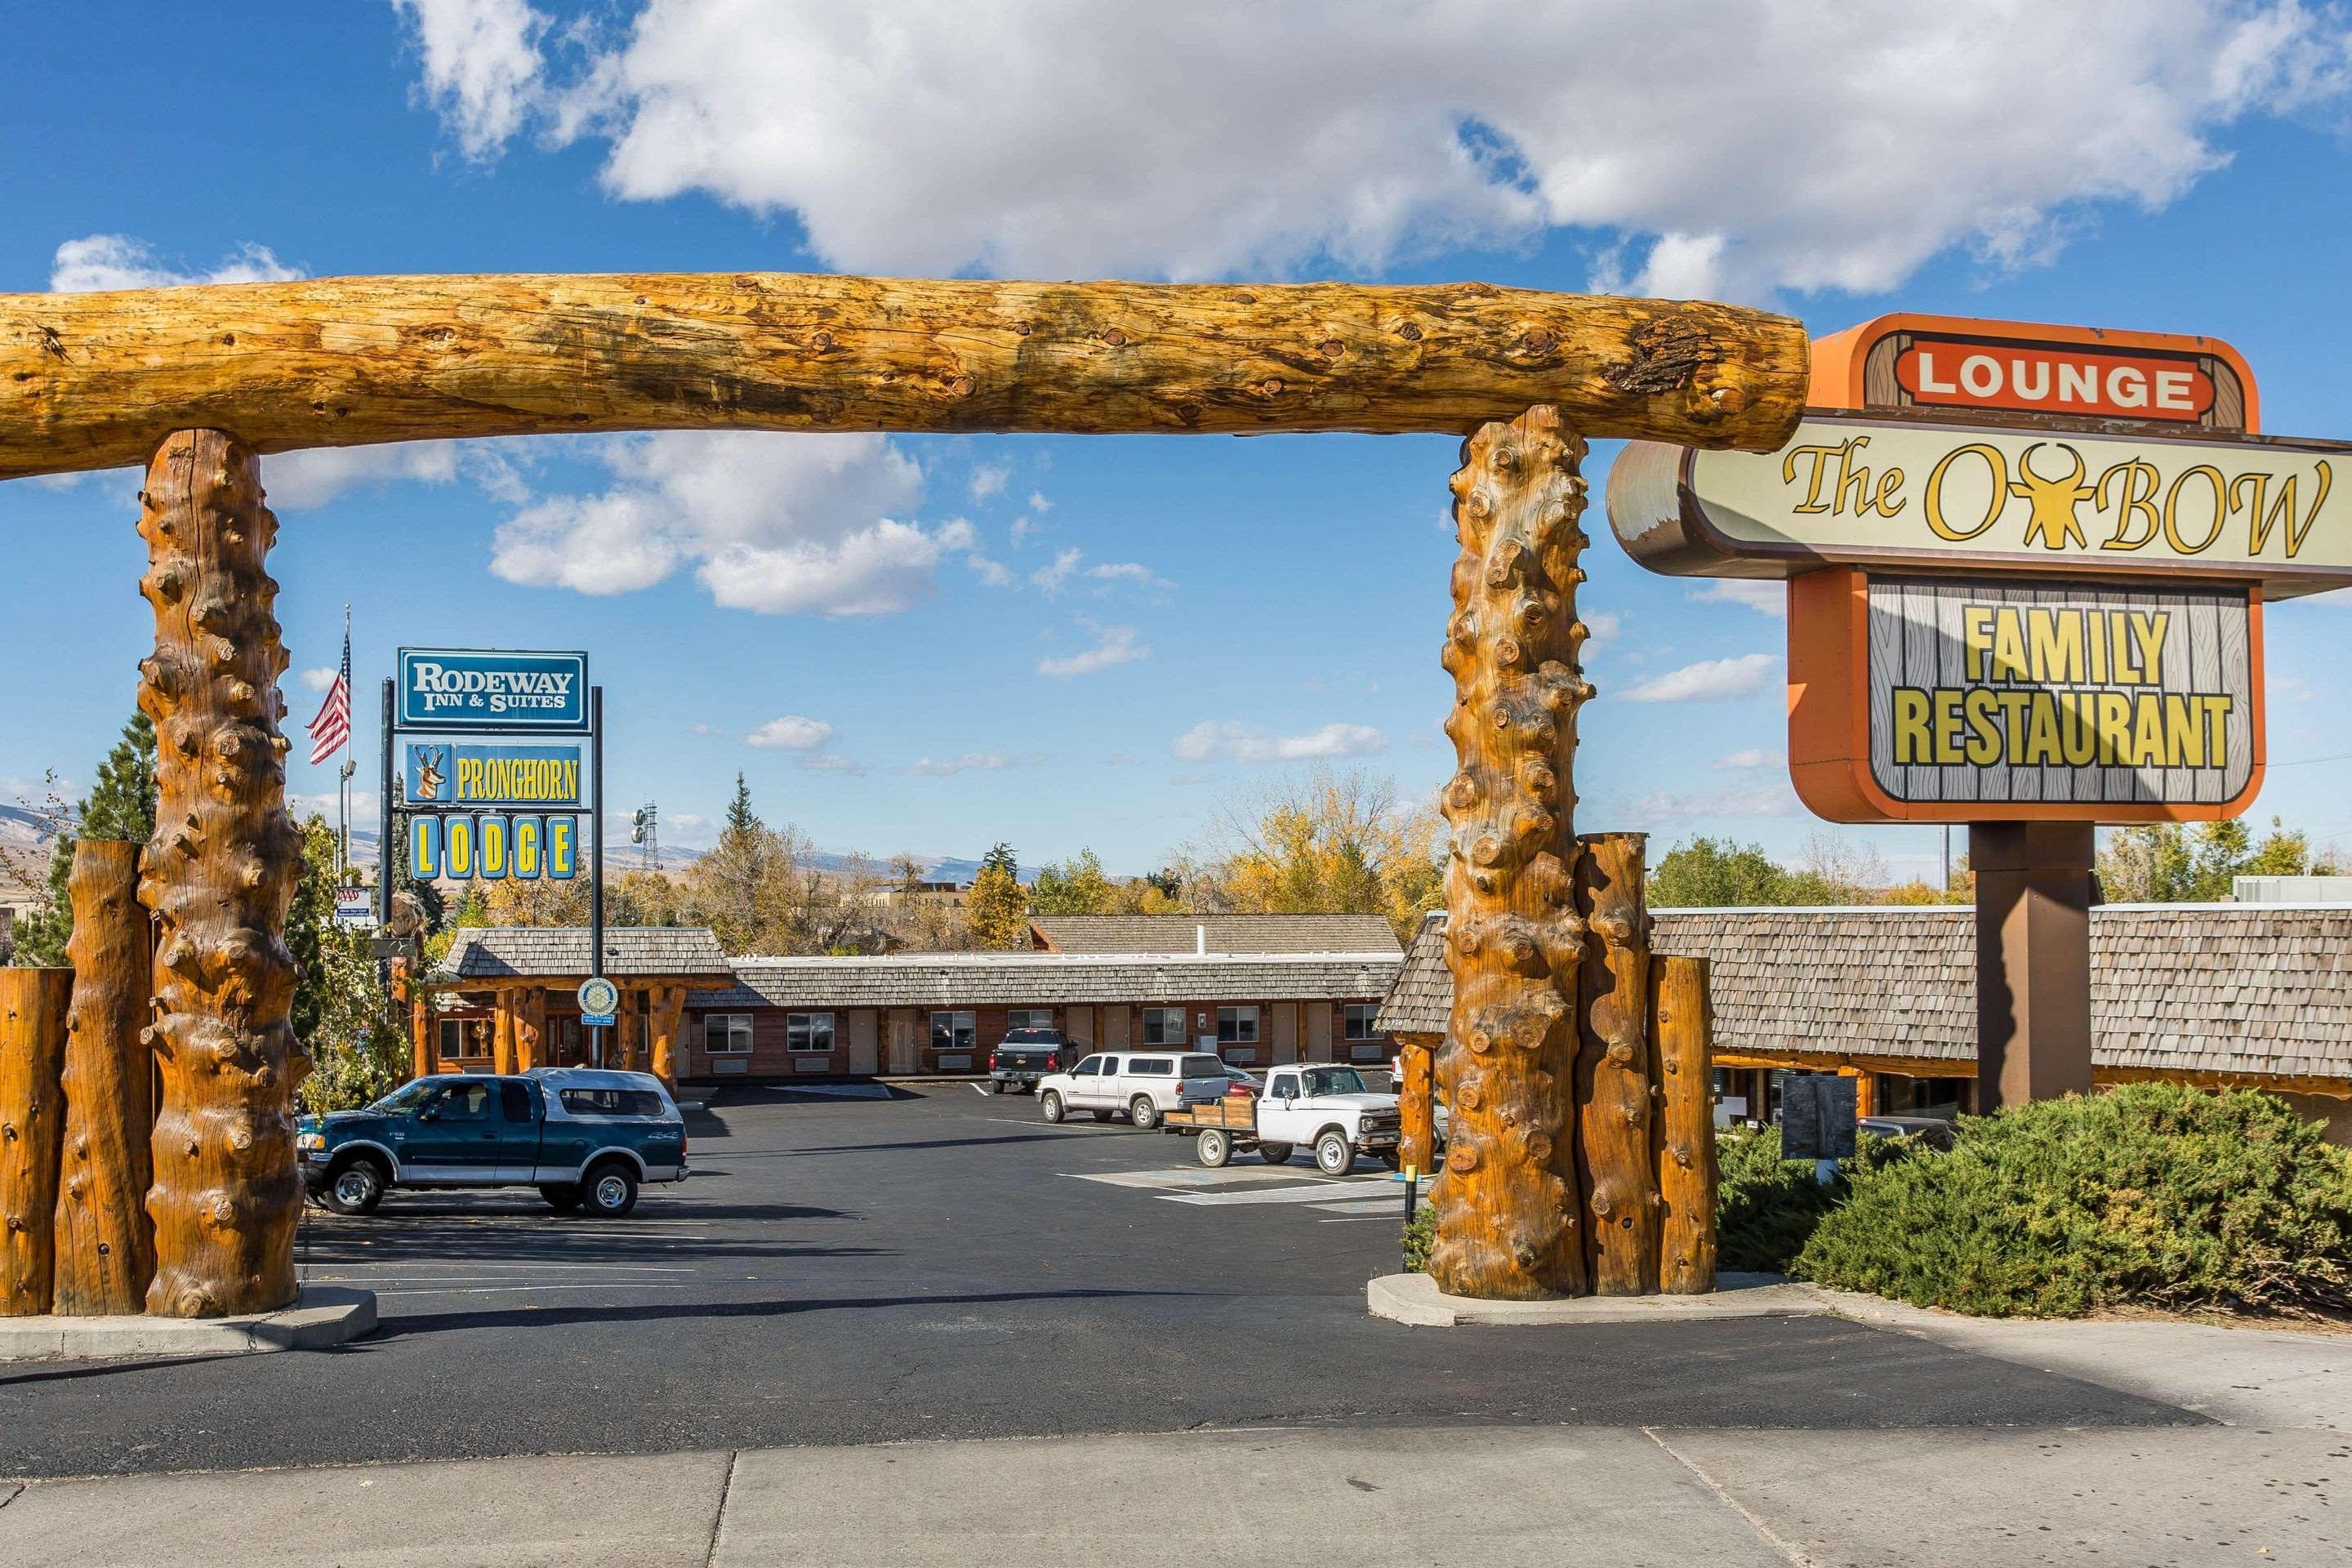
995	573
790	733
782	524
1051	578
302	481
321	679
988	479
1708	681
1748	757
102	261
1112	573
1766	598
829	762
481	65
1255	743
963	762
1022	527
1601	626
1813	161
1037	501
1662	807
1113	645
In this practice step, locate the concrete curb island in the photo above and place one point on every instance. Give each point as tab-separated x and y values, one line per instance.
322	1315
1415	1300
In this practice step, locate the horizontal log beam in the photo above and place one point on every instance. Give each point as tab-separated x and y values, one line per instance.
93	380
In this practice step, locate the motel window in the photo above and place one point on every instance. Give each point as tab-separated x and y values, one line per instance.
1236	1025
453	1039
953	1032
1029	1018
1163	1026
1360	1020
808	1031
727	1033
463	1038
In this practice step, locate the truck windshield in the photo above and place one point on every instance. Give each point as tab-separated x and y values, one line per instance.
1334	1080
405	1097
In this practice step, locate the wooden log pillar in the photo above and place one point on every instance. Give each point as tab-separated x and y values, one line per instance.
503	1031
1508	1225
1614	1174
218	876
1417	1101
106	1244
1682	1029
668	1019
530	1030
629	1034
33	1006
1866	1091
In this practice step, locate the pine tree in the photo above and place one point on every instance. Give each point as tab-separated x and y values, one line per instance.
121	805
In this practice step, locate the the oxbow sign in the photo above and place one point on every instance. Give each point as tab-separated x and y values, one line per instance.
1865	490
1946	697
483	690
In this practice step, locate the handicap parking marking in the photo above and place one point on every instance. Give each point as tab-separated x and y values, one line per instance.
1181	1184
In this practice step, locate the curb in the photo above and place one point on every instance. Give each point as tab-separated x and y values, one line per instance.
321	1316
1415	1301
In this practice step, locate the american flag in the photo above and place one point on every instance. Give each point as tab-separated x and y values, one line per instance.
332	727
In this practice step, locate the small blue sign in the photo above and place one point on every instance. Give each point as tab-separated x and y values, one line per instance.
442	773
479	692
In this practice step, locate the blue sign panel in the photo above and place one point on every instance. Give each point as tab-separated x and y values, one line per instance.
480	692
441	774
493	848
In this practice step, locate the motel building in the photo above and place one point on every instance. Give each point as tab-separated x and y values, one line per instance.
2236	996
1257	989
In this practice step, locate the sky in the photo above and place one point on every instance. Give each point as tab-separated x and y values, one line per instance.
935	644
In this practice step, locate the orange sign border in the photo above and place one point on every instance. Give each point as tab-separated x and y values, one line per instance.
1829	722
1838	357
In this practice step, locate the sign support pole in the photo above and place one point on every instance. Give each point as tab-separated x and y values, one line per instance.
383	822
596	851
2033	901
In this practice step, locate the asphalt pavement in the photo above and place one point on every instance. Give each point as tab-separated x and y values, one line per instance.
941	1264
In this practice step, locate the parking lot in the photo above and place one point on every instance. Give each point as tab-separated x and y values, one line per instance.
942	1263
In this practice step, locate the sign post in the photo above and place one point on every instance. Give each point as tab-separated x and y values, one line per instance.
2027	567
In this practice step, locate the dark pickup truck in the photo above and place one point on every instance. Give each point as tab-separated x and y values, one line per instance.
1024	1056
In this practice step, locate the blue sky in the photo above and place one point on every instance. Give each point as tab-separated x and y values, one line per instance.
901	621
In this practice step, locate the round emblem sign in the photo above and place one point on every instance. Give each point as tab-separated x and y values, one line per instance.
598	996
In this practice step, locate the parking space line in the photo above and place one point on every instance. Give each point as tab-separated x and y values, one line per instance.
511	1289
1320	1192
1198	1176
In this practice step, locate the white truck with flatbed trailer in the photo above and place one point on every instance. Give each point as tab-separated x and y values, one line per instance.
1327	1108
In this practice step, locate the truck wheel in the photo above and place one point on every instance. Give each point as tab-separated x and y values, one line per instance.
1102	1115
1214	1147
356	1188
563	1197
610	1191
1275	1153
1049	1105
1144	1112
996	1086
1334	1155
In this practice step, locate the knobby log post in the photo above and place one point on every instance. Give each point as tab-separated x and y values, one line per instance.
1682	1020
106	1244
33	1004
90	380
503	1031
1613	1069
1508	1210
1417	1101
218	875
669	1017
530	1030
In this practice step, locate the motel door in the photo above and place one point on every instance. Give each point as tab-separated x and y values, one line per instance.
902	1040
861	1042
1286	1033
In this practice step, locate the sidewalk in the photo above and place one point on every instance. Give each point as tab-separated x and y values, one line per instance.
2262	1489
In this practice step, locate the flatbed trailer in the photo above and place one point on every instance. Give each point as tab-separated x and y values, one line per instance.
1220	1127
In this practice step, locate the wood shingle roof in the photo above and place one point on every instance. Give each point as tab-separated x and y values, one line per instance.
1041	980
1223	933
2248	989
521	952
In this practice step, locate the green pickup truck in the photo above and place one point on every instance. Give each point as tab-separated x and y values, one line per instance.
586	1138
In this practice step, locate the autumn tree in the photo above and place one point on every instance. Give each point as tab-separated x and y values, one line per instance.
1074	887
1327	843
997	908
2169	863
1718	873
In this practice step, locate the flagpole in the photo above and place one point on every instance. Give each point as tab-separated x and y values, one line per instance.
344	785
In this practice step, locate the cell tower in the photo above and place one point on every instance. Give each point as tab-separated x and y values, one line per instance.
644	830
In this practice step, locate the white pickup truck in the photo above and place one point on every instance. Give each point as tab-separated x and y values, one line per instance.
1330	1109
